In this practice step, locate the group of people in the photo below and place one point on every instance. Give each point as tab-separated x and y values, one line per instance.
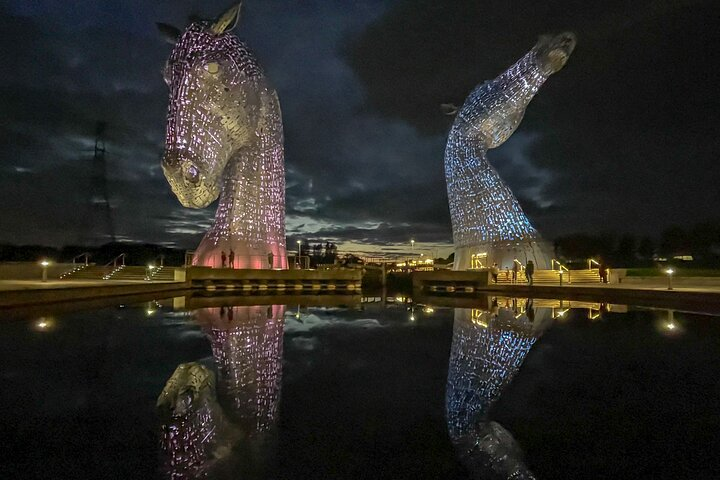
516	267
228	261
224	258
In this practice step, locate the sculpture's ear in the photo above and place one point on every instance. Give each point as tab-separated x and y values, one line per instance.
227	20
448	108
169	33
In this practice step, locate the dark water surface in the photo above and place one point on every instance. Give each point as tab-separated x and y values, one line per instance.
509	389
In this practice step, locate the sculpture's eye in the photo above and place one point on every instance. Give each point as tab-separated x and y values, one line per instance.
212	68
191	174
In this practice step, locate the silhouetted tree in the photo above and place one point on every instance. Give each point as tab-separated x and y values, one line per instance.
674	240
646	248
625	252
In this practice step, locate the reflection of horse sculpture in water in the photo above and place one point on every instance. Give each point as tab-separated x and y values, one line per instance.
225	427
486	217
487	351
225	138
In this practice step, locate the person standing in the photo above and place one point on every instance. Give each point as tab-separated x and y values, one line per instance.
232	258
602	271
515	269
495	271
223	258
529	270
270	258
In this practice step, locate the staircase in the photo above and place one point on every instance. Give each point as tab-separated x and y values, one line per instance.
121	272
90	272
74	271
164	274
552	277
585	276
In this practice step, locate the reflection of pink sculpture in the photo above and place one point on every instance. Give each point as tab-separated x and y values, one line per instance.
224	426
225	138
247	346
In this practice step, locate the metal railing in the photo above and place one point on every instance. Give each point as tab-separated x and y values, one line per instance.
114	261
84	254
560	270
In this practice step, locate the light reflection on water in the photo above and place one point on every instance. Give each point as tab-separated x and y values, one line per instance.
280	391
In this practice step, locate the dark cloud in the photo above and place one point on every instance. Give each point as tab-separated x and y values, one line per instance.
623	136
347	167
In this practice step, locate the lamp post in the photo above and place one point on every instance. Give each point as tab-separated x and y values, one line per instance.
412	246
299	242
669	272
44	265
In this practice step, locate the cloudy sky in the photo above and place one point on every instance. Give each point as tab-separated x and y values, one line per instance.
624	139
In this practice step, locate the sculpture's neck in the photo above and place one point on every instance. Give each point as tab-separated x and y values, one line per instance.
482	207
494	109
520	82
251	206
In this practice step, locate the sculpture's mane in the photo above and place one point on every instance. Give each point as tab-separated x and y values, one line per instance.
198	42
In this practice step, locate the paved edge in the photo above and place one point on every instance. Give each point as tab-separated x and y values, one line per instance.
31	297
685	299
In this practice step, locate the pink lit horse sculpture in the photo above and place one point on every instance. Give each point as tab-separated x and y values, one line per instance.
225	139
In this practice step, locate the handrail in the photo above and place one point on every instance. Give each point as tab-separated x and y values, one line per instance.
560	268
114	261
591	261
84	254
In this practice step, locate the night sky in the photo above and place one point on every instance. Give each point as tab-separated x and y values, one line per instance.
623	139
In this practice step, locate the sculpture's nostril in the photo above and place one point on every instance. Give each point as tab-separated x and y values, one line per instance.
568	40
170	159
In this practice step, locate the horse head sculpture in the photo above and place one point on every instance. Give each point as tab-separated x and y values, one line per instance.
225	139
487	219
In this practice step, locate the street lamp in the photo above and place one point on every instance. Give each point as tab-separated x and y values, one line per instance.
412	245
44	265
669	272
299	242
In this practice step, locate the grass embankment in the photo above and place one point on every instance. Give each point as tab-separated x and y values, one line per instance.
677	272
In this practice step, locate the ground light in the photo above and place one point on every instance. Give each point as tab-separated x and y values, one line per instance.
669	272
149	271
44	264
44	324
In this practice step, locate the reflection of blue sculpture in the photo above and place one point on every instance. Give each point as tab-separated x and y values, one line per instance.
224	428
225	138
486	216
487	351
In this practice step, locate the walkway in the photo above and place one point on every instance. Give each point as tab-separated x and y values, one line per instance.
17	293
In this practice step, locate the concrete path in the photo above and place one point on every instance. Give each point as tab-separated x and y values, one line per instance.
19	293
8	285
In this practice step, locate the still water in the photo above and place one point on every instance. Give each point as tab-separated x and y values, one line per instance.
351	387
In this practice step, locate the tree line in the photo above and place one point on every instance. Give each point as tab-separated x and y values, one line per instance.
701	242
